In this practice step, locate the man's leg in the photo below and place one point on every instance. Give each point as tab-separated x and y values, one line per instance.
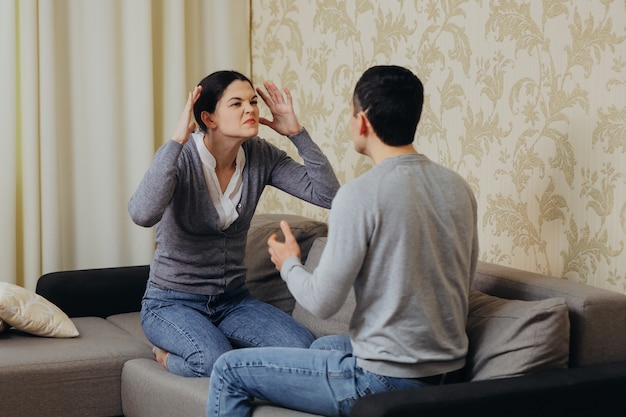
333	342
310	380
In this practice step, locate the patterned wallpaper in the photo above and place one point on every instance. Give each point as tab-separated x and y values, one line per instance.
525	99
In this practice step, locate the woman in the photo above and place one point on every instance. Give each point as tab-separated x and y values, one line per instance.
201	191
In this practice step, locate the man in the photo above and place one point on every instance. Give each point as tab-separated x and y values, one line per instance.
404	235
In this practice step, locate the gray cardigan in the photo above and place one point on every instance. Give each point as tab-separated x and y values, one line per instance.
193	254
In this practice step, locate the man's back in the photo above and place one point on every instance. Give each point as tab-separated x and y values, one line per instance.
413	224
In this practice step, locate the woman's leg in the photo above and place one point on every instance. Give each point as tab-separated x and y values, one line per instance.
249	322
175	322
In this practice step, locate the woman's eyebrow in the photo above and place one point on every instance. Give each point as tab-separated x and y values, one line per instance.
241	99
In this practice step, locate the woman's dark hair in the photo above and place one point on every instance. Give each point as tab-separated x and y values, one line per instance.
392	98
213	87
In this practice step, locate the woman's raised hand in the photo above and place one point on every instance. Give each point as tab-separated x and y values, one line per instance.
284	120
185	125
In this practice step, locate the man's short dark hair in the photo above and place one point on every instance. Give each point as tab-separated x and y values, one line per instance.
392	98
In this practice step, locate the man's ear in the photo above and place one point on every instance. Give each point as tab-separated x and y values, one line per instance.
207	118
363	124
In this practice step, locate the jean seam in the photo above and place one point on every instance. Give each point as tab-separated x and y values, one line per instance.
218	391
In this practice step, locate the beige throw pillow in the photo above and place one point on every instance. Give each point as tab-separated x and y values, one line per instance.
31	313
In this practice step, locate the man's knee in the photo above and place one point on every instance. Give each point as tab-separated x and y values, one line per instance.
333	342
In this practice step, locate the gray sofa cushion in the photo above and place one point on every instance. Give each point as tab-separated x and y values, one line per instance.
149	390
66	377
131	323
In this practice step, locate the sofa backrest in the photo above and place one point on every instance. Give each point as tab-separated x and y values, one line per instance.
103	292
597	316
95	292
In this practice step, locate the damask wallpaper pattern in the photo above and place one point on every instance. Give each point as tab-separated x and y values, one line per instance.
525	99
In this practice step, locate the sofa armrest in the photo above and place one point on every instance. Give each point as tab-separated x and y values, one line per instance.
95	292
591	391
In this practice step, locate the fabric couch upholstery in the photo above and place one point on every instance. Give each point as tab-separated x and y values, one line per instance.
70	377
109	369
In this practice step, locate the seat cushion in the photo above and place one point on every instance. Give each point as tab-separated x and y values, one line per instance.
66	377
149	390
131	323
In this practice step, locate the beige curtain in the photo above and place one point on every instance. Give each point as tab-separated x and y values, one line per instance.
88	90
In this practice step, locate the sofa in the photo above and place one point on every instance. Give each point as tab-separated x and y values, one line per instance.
537	343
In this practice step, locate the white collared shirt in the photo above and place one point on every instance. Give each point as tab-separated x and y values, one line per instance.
225	203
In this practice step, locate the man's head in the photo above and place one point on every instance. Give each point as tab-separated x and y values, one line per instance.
391	98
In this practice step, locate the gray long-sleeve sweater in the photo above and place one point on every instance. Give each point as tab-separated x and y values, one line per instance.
404	235
192	253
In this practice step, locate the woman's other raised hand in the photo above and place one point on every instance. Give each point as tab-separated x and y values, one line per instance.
284	120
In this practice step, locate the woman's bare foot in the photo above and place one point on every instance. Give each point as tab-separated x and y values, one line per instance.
161	356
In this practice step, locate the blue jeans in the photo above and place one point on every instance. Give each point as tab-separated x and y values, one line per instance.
321	380
197	329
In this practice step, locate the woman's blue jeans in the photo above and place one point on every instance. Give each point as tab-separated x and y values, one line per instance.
197	329
321	380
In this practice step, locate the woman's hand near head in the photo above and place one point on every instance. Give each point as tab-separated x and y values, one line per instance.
185	125
284	120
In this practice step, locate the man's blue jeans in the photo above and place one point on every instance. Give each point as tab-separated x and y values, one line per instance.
197	329
321	380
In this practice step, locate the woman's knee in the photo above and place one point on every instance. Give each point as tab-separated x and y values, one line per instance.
200	363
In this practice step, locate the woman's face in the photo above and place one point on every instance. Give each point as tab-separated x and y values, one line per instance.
237	113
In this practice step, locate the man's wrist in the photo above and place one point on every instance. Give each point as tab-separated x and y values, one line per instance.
288	265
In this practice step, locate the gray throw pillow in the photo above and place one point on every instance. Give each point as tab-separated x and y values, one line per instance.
339	323
263	280
515	337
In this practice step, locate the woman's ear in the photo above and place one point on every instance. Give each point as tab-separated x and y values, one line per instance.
207	118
